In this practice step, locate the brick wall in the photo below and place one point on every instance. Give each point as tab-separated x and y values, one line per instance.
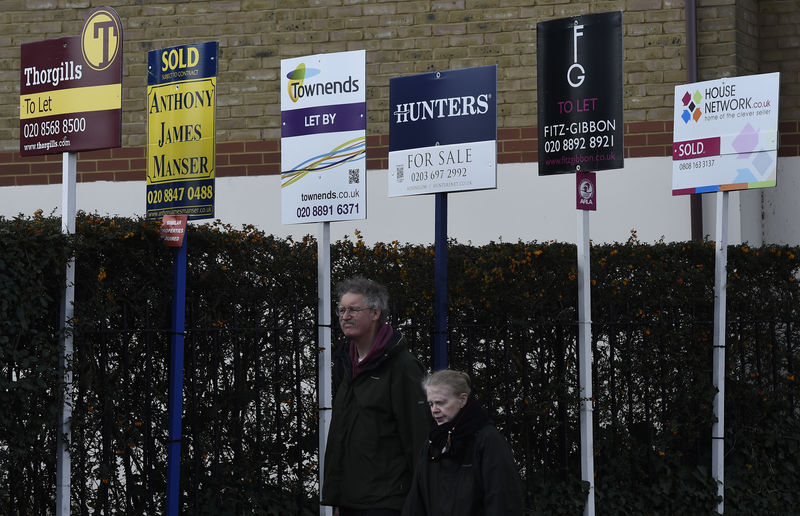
401	37
716	39
747	35
779	51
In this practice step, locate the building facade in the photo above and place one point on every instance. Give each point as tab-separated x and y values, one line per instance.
730	38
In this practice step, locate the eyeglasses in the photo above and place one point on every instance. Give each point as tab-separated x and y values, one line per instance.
353	310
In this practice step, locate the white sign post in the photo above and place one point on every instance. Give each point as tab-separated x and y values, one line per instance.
580	123
325	389
81	111
323	177
585	353
63	463
725	138
718	374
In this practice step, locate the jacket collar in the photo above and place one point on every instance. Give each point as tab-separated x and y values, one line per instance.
395	344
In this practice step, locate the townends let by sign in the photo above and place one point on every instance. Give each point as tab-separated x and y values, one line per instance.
580	93
71	89
181	107
324	137
725	134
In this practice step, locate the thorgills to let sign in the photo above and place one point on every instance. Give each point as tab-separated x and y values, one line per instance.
71	89
725	134
579	63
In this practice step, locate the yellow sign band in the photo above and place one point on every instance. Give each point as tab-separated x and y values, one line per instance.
72	100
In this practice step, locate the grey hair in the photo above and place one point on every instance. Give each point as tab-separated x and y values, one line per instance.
376	296
457	381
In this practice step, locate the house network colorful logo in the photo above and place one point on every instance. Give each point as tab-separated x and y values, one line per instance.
691	104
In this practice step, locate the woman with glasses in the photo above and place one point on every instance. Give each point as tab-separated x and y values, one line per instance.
380	418
466	468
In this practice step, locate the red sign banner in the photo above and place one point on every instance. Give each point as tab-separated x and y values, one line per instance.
173	229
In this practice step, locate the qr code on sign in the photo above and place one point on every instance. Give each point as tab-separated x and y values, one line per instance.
399	173
354	176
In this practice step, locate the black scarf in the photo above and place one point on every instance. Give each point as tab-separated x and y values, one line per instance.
453	438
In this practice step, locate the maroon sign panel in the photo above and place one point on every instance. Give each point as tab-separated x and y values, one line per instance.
585	191
71	89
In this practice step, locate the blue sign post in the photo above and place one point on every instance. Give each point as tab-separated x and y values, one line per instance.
176	381
440	285
443	138
181	105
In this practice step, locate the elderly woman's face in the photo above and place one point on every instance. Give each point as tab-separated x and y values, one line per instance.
443	403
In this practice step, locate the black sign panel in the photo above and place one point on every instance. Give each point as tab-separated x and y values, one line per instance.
580	93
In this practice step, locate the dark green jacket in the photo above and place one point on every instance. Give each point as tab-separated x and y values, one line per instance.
485	482
380	420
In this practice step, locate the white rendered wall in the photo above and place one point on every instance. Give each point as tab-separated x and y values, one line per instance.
524	207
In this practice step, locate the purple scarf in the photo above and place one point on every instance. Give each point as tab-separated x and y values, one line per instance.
381	339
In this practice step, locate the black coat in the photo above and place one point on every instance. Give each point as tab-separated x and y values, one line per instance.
380	419
482	480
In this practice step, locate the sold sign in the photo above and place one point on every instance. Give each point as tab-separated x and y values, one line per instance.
174	58
696	149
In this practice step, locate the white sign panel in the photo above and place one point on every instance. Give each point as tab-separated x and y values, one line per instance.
323	137
725	134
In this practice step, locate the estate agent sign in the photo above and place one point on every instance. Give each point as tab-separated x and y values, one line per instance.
443	131
181	102
725	134
71	89
323	137
580	93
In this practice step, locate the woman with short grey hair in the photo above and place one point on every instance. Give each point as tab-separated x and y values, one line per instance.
466	468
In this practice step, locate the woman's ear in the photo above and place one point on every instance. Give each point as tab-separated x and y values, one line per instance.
463	397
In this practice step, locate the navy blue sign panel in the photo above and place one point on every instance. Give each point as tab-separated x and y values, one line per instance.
182	63
580	111
449	107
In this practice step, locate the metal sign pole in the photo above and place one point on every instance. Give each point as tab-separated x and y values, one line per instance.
324	346
176	380
585	357
63	465
440	285
720	279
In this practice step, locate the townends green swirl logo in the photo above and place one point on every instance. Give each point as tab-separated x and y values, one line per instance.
297	77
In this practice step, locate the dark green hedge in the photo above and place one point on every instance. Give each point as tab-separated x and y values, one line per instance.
250	418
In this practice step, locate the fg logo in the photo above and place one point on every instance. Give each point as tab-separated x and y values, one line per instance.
101	38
